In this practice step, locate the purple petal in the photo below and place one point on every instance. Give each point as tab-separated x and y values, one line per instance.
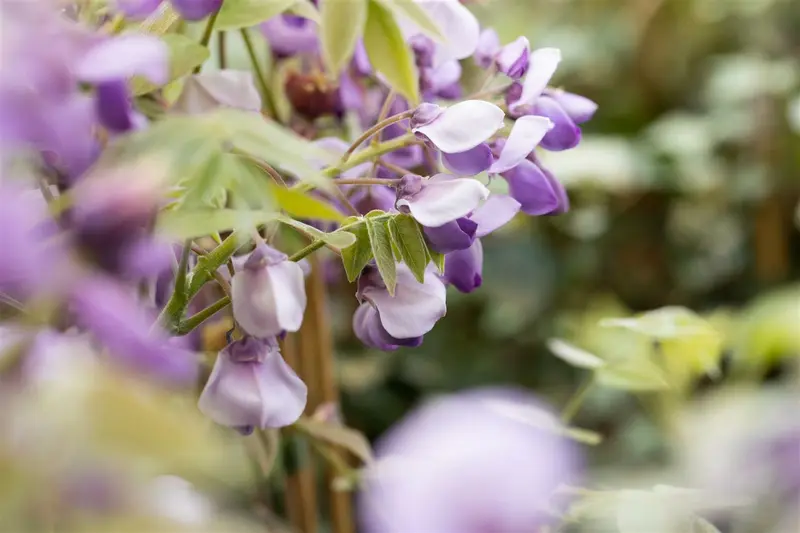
288	38
456	235
564	134
543	64
561	192
196	9
415	307
495	212
128	55
529	185
463	268
471	162
488	47
369	330
114	107
367	199
513	58
361	62
137	9
579	108
261	392
444	198
527	132
463	126
444	76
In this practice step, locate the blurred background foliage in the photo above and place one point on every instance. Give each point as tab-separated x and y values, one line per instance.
684	193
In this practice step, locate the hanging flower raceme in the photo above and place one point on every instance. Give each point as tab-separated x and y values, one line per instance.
268	293
482	460
386	322
251	386
187	9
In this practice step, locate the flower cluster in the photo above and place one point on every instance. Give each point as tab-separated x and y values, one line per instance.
89	238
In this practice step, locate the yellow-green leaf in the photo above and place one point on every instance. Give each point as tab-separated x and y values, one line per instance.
237	14
187	224
407	236
349	439
305	9
184	55
389	53
633	375
301	205
342	25
381	243
356	257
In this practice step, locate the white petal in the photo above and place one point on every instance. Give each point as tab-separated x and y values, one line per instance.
527	132
456	23
444	200
224	88
495	212
415	307
574	355
288	283
254	307
284	393
543	64
125	56
463	126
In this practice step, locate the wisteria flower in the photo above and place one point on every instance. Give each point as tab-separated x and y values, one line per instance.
457	128
288	35
368	329
482	460
268	293
536	189
251	386
225	88
440	199
188	9
404	317
456	23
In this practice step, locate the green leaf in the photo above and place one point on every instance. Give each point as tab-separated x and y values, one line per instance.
342	25
187	224
412	10
184	55
236	54
248	183
204	180
381	243
161	21
305	9
337	239
389	53
633	375
573	355
349	439
437	259
237	14
407	235
356	257
301	205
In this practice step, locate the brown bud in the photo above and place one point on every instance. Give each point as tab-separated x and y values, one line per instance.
312	96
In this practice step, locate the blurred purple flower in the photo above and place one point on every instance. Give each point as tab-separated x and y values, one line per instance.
440	199
458	26
268	293
488	47
188	9
482	460
366	199
251	386
224	88
288	35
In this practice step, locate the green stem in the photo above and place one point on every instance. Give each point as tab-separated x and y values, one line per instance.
188	325
369	153
367	181
577	399
308	250
269	107
221	49
375	129
206	38
203	272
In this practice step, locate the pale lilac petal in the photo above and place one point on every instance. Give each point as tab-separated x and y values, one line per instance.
125	56
288	35
369	330
529	185
564	134
415	307
137	9
488	47
457	24
442	200
495	212
463	126
284	393
513	59
196	9
463	269
224	88
444	75
471	162
579	108
527	132
543	64
288	283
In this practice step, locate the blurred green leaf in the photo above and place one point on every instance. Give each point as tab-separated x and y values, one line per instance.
204	178
342	25
305	9
349	439
389	53
412	10
161	20
302	205
633	375
573	355
407	236
356	257
237	14
187	224
381	243
701	525
184	55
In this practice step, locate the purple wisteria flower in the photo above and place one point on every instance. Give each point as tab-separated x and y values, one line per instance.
536	189
512	59
187	9
402	319
458	26
224	88
457	128
288	35
463	267
251	386
440	199
482	460
268	293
